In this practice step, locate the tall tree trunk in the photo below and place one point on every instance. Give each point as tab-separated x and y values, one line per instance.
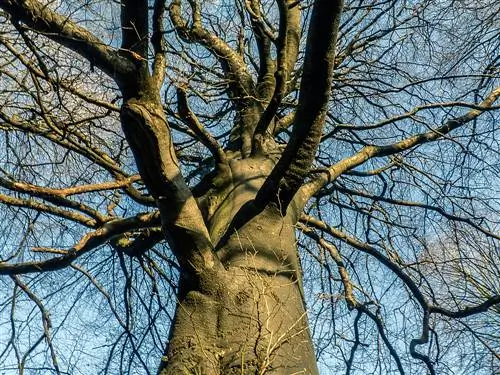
241	308
250	318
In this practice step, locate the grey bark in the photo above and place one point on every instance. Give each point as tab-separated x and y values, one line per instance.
250	317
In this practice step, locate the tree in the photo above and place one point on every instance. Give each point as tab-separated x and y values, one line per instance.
240	160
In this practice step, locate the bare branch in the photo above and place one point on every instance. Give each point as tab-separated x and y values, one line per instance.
198	129
368	152
42	19
287	45
89	242
294	164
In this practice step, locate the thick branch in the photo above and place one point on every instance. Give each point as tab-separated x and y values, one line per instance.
298	156
59	28
148	134
264	37
134	20
287	45
157	41
139	244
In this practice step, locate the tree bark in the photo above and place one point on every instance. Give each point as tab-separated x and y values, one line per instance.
249	318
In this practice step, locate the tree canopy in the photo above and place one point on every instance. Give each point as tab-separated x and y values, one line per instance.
369	127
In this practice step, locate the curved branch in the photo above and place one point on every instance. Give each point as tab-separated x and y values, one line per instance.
198	129
467	311
88	242
368	152
370	250
61	29
424	206
232	63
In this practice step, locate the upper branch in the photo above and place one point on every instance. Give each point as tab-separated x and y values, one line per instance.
134	19
158	42
235	68
469	310
292	168
135	41
198	129
240	81
61	29
264	37
372	151
287	45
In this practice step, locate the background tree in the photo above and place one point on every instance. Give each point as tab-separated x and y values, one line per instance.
237	161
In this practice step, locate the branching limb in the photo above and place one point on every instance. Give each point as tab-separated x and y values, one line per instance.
149	136
198	129
287	45
88	242
87	150
235	68
369	152
264	38
47	323
135	27
60	84
139	244
334	253
240	81
427	308
59	28
294	164
424	206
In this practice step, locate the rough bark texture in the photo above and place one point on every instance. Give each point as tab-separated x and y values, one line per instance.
249	318
255	324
